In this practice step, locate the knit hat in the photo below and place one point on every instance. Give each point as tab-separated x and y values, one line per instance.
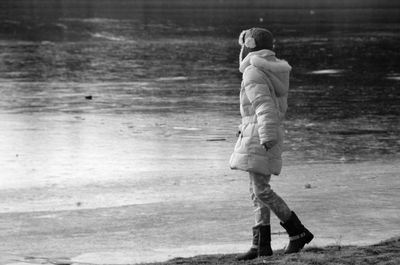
255	39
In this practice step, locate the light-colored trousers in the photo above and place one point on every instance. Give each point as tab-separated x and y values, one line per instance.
266	200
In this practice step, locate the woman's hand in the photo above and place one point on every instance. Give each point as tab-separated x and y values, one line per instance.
268	145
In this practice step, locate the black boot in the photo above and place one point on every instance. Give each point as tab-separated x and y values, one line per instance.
298	234
261	243
264	243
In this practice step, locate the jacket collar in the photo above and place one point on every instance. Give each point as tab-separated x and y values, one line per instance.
260	60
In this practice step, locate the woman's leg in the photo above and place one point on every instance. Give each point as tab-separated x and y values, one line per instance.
262	213
261	244
298	234
266	197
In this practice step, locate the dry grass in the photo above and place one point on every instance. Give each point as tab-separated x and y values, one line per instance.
384	253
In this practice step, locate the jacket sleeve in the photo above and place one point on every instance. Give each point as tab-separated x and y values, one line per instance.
258	92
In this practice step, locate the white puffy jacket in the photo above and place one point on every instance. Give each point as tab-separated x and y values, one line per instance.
263	104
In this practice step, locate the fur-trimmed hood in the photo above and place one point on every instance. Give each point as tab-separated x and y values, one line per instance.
264	60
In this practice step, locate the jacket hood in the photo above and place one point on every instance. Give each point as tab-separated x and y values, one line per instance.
277	70
266	61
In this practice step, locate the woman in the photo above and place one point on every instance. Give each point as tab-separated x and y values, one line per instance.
263	104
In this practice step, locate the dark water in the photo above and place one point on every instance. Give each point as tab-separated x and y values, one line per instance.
150	57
